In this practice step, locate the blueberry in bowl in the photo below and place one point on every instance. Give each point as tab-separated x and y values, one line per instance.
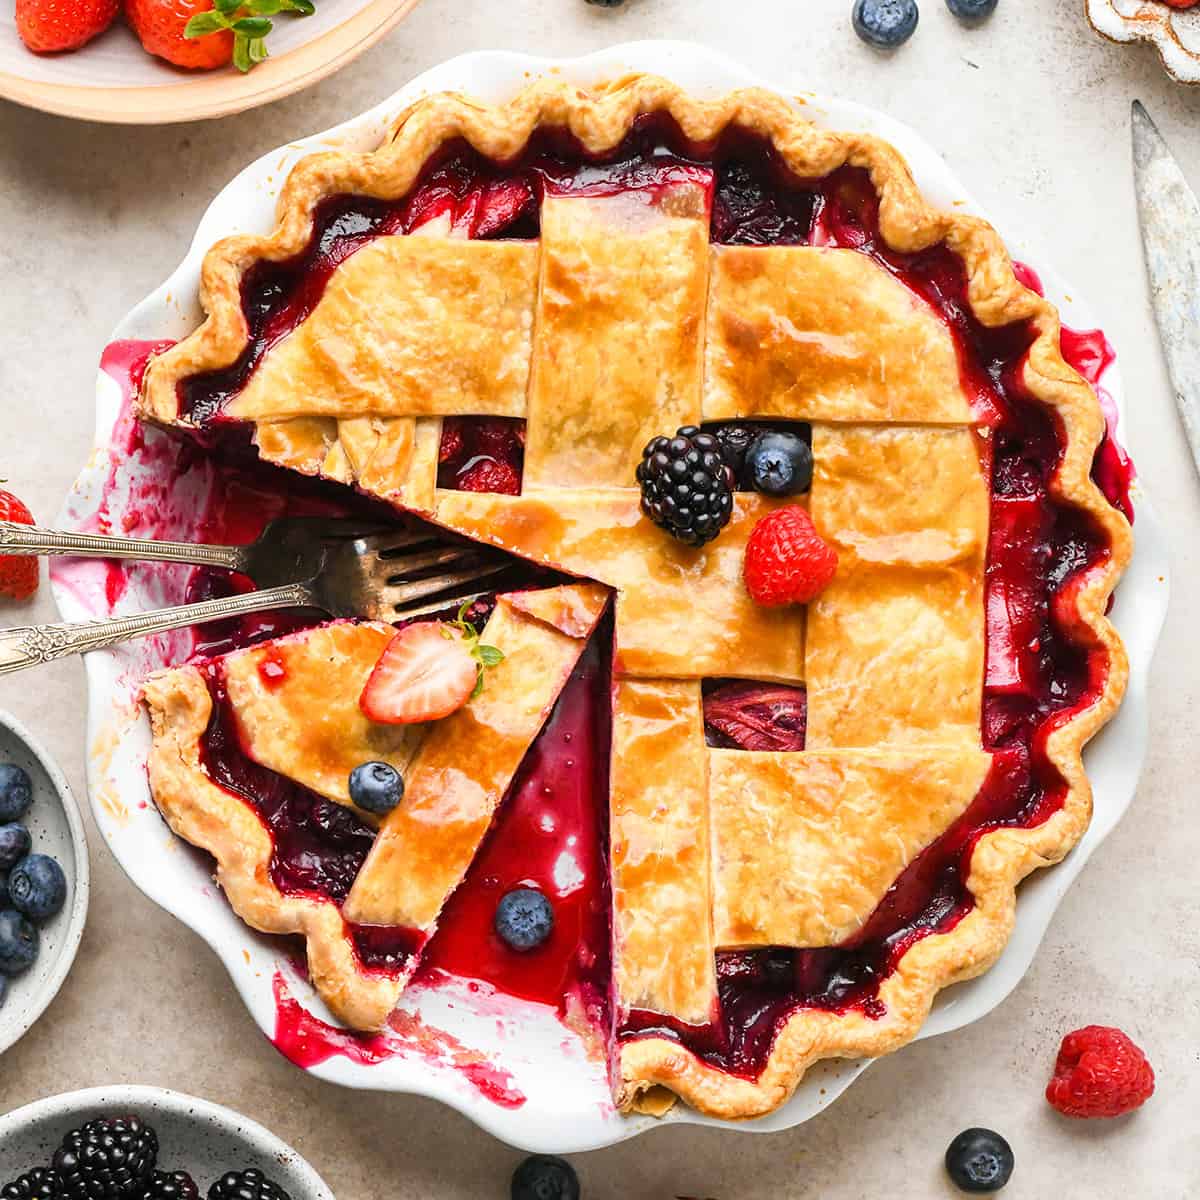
43	881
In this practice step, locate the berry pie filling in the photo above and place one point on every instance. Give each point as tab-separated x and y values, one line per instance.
550	832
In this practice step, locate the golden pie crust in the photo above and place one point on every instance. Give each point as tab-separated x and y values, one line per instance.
912	559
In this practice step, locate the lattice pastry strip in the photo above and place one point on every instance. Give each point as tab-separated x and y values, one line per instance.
806	333
806	845
895	645
663	952
620	328
681	612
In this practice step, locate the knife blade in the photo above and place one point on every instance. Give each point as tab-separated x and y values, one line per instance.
1170	219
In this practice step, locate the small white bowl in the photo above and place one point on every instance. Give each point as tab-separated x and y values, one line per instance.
204	1139
57	830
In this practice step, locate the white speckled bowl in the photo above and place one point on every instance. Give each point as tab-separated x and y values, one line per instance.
57	830
203	1139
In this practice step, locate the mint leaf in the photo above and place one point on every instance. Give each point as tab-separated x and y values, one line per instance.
252	27
302	8
203	24
489	656
227	7
265	8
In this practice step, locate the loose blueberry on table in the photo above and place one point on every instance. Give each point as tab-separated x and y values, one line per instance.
971	10
979	1160
885	24
545	1177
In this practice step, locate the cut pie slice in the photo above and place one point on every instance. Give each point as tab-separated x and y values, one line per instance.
238	776
485	322
467	761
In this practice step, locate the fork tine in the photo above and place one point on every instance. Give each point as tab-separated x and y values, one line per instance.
440	556
437	606
398	595
390	541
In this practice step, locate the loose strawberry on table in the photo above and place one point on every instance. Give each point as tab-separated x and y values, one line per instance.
18	574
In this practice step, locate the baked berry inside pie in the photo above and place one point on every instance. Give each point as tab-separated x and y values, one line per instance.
769	832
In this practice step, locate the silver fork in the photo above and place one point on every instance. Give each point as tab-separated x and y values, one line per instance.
343	568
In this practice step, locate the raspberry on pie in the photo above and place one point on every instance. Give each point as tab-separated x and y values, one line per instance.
797	823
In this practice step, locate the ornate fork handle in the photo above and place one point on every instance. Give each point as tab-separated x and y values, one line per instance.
28	539
30	645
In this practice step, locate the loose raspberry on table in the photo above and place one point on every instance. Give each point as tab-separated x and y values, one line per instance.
1099	1073
787	561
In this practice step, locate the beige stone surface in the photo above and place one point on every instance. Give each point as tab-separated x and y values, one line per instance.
1032	111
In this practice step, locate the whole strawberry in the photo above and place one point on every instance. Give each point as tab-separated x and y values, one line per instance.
48	26
787	561
160	25
1099	1073
18	574
203	34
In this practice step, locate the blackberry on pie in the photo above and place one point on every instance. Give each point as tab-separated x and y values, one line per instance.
882	764
687	485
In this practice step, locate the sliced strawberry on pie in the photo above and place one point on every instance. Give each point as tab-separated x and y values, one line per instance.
426	673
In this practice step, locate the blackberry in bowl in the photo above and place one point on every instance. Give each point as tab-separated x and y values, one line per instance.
145	1143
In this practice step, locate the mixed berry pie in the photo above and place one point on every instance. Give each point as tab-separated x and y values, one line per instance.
632	338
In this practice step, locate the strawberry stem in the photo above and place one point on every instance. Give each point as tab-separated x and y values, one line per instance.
249	22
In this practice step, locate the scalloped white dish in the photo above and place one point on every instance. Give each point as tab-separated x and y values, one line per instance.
509	1065
1174	32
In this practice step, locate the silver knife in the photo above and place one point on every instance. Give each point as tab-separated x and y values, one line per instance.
1170	219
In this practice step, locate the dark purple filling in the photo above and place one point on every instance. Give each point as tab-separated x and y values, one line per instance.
319	846
742	715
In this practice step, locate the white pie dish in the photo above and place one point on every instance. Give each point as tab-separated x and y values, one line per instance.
56	825
196	1136
1173	32
566	1105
